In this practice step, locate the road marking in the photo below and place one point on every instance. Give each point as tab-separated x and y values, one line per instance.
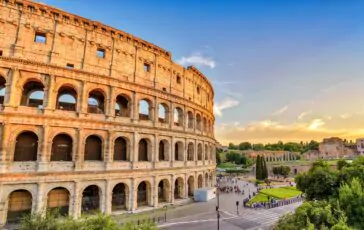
193	221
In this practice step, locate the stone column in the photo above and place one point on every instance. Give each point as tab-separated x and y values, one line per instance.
133	196
106	199
79	154
155	111
49	93
155	157
172	188
14	93
171	115
110	103
44	154
109	153
81	103
76	200
172	152
5	154
155	192
41	199
185	192
134	152
134	110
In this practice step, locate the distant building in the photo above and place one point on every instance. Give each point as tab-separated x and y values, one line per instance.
360	145
271	156
332	148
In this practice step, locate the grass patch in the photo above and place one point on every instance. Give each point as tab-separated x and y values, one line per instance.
227	165
278	193
259	198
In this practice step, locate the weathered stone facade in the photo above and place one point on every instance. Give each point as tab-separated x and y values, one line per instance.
74	135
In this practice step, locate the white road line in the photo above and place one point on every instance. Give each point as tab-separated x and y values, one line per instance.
193	221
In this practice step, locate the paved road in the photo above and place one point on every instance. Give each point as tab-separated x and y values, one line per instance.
202	216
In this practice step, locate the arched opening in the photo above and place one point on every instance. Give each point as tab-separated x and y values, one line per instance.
198	122
190	119
200	181
206	153
163	113
204	124
122	108
120	149
19	205
143	198
178	151
61	148
199	152
96	102
58	200
178	188
163	151
191	186
207	180
145	110
2	89
91	199
26	147
163	191
119	197
190	152
67	98
33	94
143	150
93	148
295	171
178	116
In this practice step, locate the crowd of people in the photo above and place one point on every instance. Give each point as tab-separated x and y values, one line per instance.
273	202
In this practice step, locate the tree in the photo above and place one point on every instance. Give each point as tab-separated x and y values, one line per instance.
285	170
258	147
341	164
264	169
245	146
218	158
258	168
275	171
232	146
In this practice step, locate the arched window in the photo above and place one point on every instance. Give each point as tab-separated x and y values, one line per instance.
163	151
91	199
207	180
33	94
204	124
119	197
61	148
145	110
163	191
143	194
178	188
26	147
19	205
190	152
200	183
67	98
2	90
206	152
190	119
122	108
93	148
58	199
198	122
163	113
143	150
199	152
96	102
191	186
120	149
178	151
178	117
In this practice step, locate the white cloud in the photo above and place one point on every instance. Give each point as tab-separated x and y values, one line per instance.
316	124
281	110
198	60
303	114
345	116
224	104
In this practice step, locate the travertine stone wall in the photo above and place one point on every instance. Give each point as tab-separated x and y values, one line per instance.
130	67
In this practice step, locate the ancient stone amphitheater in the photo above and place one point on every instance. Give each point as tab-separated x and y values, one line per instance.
95	118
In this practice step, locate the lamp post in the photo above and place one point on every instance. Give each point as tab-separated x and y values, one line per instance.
165	213
237	207
217	206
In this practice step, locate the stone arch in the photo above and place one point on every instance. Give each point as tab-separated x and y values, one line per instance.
122	105
144	192
198	122
178	151
204	124
93	148
191	186
121	149
207	180
33	94
206	152
145	109
2	89
163	154
19	203
163	112
178	116
164	191
178	188
59	199
26	147
190	120
120	197
199	152
200	181
62	145
190	152
91	196
145	150
96	101
67	98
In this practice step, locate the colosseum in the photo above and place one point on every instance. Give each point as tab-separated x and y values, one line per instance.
93	118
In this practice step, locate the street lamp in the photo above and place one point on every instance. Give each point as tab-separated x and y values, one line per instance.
237	207
217	206
165	213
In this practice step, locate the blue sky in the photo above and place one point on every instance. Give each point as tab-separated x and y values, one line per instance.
282	70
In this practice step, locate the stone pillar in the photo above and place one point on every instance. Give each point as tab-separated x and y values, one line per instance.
5	154
195	151
44	152
155	111
81	103
14	93
171	115
134	110
155	192
172	188
41	200
110	103
49	92
109	153
106	198
172	150
134	152
133	195
76	200
79	154
155	157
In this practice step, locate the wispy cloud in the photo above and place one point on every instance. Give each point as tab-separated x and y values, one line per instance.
316	124
345	116
224	104
197	59
280	111
303	114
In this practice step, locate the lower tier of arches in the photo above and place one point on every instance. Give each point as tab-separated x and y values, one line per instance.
108	196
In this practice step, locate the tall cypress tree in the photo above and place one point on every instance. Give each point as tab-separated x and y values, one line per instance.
264	169
258	168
